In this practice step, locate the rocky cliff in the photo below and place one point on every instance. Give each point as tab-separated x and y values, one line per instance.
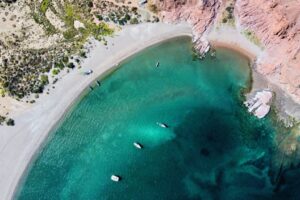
273	24
277	25
200	14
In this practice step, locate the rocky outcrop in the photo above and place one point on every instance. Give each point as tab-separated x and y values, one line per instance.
259	104
200	14
274	24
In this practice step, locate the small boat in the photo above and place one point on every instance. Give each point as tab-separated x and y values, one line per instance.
91	88
98	83
137	145
115	178
157	64
88	72
162	125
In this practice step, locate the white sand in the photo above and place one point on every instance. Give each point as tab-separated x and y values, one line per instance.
18	144
226	36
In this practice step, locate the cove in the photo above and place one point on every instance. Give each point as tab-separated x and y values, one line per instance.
213	148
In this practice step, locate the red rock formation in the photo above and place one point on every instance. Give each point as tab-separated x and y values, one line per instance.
200	14
276	23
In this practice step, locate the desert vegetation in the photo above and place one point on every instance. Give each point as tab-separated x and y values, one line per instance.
228	13
3	2
23	69
7	121
121	13
39	39
252	37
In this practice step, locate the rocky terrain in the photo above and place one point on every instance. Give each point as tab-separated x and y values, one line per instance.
274	25
277	25
200	14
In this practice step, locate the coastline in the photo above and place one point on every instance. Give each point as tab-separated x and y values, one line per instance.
20	144
287	108
228	37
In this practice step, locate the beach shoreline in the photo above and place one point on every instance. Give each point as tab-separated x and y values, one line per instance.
231	38
287	108
20	144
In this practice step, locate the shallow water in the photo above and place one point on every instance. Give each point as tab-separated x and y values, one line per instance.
213	149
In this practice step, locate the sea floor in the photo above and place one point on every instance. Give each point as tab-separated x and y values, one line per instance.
212	149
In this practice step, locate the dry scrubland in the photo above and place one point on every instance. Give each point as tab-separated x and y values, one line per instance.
42	39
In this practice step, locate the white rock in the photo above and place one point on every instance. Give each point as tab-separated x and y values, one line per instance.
259	105
78	24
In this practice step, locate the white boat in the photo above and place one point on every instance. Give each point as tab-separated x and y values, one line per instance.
137	145
157	64
162	125
115	178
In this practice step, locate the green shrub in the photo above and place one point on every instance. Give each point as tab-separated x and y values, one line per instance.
2	119
44	79
10	122
153	8
71	65
60	65
65	59
127	17
134	21
252	37
90	4
100	17
227	15
55	71
5	84
83	54
44	6
70	34
36	89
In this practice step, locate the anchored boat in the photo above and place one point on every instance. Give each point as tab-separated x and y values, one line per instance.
137	145
157	64
115	178
162	125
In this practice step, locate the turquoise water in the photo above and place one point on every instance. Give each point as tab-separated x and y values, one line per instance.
213	149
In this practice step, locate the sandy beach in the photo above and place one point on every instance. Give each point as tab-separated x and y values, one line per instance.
228	37
19	144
